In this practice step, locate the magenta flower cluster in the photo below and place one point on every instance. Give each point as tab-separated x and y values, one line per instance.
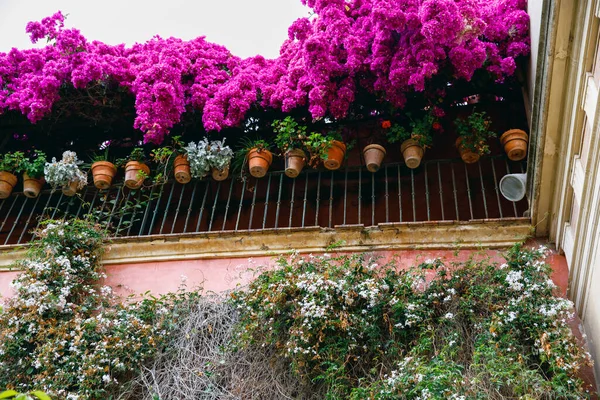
386	47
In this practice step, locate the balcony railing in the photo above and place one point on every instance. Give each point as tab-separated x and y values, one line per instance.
439	190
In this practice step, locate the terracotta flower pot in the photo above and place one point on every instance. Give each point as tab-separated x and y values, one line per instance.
32	186
373	155
220	174
515	144
295	159
181	167
412	153
103	173
7	183
335	155
467	155
70	189
133	174
259	162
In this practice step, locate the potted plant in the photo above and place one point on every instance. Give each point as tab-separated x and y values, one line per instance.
197	155
415	140
473	133
103	171
335	151
219	159
515	144
258	155
290	140
327	149
169	158
32	168
66	173
9	165
136	170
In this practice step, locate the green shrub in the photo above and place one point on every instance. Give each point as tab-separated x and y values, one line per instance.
474	331
64	333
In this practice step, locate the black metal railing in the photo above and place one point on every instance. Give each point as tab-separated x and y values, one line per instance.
439	190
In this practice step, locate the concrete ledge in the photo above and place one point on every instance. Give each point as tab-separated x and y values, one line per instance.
253	243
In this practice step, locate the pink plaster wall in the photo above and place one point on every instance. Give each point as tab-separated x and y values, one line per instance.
218	275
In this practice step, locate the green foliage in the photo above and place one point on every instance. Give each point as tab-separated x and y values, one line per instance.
475	131
67	335
137	154
11	162
419	129
34	165
358	330
35	394
291	135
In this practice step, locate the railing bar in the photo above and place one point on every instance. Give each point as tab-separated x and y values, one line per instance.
267	201
508	172
291	201
483	190
496	187
123	213
468	190
155	213
69	205
16	220
454	191
37	199
55	208
427	193
318	199
146	212
253	204
278	201
345	192
43	210
212	214
227	205
359	196
399	192
189	211
178	207
305	193
112	212
137	201
168	206
441	191
331	200
8	213
241	200
202	206
387	196
82	201
372	199
412	183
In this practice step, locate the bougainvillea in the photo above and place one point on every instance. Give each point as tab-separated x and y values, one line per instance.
386	47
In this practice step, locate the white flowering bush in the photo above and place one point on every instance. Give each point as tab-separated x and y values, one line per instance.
352	329
68	336
205	155
63	172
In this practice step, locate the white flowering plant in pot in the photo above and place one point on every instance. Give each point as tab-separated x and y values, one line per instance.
219	159
66	173
205	156
198	156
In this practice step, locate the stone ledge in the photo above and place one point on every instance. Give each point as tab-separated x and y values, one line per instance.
356	238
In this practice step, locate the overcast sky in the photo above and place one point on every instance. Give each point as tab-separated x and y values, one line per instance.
245	27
